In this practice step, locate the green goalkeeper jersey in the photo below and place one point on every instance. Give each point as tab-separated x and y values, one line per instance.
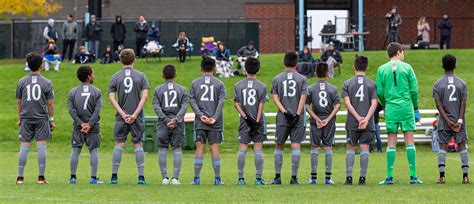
397	90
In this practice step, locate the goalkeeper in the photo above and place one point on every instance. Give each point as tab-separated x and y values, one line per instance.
397	90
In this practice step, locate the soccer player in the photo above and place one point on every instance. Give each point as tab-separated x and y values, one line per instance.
360	97
35	100
84	103
397	90
170	101
250	96
131	88
450	95
322	104
289	92
207	95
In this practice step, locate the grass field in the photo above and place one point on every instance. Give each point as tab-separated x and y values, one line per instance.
427	67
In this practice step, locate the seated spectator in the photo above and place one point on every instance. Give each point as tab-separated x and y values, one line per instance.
83	57
153	33
306	56
223	61
51	56
182	45
332	57
245	52
108	56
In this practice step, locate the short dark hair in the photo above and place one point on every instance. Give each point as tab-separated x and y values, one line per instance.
70	16
34	61
83	72
169	71
252	65
449	62
208	64
291	59
393	49
322	69
361	63
127	56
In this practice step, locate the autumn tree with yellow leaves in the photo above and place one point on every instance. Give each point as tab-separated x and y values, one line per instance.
12	8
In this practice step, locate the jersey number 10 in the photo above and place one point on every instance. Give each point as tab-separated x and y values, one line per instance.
34	91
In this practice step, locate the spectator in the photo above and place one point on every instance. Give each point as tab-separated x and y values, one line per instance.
153	33
49	32
69	36
332	57
377	130
445	32
305	55
83	56
223	61
141	29
394	21
51	56
329	28
93	30
108	56
245	52
118	32
182	45
423	30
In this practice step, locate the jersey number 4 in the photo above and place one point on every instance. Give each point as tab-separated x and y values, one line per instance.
360	93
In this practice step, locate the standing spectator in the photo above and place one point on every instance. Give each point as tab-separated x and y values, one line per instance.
118	32
423	30
69	36
332	57
394	21
141	29
445	30
93	30
245	52
49	32
182	45
153	33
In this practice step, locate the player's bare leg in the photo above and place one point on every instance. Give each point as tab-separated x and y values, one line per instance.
411	157
295	162
22	159
116	159
241	163
314	164
198	161
216	163
278	160
464	162
391	152
41	145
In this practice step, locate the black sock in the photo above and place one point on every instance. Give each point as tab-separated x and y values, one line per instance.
277	176
293	178
141	177
40	177
114	175
313	175
73	176
464	175
94	177
328	175
441	174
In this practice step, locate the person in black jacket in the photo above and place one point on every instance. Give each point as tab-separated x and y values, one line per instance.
141	29
332	57
445	32
93	30
118	32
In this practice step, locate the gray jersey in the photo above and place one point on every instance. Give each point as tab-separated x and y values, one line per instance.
289	86
249	93
451	91
360	90
206	96
322	96
170	101
34	91
84	103
128	83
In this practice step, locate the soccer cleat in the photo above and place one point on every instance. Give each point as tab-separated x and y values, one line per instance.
387	181
312	181
276	181
361	180
441	180
42	181
72	181
241	181
348	180
165	181
95	181
113	180
141	180
465	180
415	180
218	181
175	181
20	180
294	182
197	181
328	181
260	182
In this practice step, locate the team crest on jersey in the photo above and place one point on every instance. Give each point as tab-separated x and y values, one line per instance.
290	75
207	80
170	85
34	79
85	88
250	84
360	80
127	72
451	80
322	86
394	67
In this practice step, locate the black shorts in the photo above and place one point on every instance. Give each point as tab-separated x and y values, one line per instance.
297	134
444	136
324	135
212	137
92	139
122	129
170	137
38	130
356	137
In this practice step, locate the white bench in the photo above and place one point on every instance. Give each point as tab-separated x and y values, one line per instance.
423	128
